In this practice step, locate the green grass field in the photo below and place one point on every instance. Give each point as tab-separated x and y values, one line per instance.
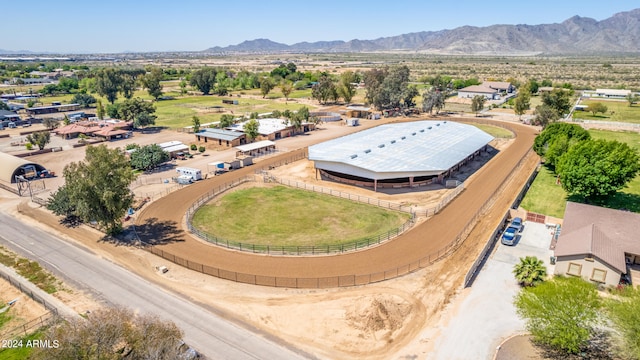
616	111
548	198
280	216
495	131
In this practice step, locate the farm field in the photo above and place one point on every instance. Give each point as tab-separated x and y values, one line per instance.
547	197
281	216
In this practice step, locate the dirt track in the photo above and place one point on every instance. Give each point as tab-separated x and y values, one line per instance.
163	219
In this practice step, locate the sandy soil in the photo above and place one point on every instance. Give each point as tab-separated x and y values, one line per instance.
23	310
390	319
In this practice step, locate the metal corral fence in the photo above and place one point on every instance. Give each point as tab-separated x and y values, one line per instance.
367	200
471	274
292	249
608	124
335	281
43	320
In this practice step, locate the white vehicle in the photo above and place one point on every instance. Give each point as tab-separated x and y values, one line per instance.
195	174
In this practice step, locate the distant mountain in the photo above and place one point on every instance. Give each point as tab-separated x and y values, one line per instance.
577	35
19	52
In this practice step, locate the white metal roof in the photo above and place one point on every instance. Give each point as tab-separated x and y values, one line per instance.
179	147
167	144
266	127
613	92
420	148
255	145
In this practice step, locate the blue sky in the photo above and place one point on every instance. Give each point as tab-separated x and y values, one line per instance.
67	26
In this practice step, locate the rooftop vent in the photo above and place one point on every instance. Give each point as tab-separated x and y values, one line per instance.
367	151
430	128
354	156
421	130
404	137
393	141
381	145
438	124
414	134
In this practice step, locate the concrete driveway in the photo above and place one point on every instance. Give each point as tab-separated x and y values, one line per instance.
482	316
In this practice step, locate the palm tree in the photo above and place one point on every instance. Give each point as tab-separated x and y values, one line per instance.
530	271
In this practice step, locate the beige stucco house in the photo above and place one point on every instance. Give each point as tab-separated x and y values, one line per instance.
598	244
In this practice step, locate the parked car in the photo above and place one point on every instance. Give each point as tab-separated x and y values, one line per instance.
509	236
517	223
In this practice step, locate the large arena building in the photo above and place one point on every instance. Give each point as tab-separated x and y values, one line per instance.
397	155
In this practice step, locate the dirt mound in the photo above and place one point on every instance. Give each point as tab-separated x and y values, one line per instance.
378	316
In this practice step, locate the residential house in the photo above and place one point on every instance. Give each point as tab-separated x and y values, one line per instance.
599	244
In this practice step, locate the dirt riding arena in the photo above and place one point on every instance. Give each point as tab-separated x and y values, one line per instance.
162	223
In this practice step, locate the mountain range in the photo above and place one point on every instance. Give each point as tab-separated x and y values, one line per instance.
619	34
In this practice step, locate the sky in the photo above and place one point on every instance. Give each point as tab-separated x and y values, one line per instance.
113	26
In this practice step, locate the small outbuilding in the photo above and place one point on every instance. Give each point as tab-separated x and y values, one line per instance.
13	166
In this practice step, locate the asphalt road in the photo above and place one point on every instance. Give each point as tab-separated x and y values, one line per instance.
210	334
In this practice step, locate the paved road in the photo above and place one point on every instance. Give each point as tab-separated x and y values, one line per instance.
210	334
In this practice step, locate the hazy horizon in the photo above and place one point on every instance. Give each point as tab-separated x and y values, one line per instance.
74	27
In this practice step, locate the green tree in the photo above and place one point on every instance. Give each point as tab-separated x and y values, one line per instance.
544	115
60	204
40	139
251	129
559	100
597	168
433	99
409	96
130	109
395	87
108	83
100	110
183	86
324	90
144	119
346	88
202	149
196	124
286	88
84	100
595	108
204	79
151	82
129	81
149	157
530	271
226	120
67	85
624	312
477	103
373	80
114	333
631	99
4	106
99	187
113	110
560	313
556	139
522	102
50	123
266	85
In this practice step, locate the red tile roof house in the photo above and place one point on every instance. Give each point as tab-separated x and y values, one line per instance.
599	244
106	130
